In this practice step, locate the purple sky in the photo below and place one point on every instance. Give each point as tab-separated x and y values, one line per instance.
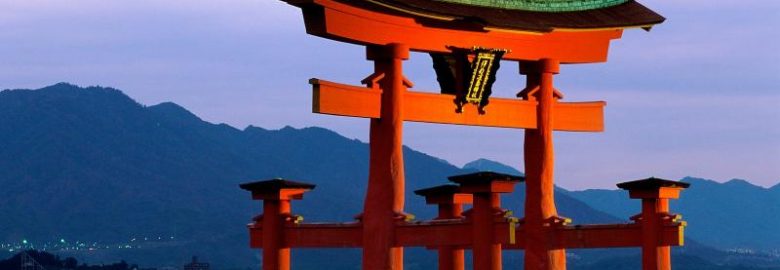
699	95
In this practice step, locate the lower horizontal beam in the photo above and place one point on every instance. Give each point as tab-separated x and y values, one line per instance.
315	235
457	232
357	101
605	236
453	232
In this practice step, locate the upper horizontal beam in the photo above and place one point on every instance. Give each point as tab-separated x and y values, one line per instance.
343	22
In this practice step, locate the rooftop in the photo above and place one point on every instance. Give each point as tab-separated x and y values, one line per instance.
652	183
485	177
438	190
528	15
275	184
541	5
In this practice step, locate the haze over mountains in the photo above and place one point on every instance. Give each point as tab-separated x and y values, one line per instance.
91	164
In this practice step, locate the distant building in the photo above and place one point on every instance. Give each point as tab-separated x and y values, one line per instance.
195	265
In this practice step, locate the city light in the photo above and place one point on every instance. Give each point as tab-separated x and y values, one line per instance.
61	244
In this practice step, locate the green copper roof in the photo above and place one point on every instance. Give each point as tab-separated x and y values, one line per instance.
541	5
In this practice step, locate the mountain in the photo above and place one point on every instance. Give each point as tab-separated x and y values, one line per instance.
489	165
605	205
775	189
735	215
91	164
579	211
94	166
693	255
113	179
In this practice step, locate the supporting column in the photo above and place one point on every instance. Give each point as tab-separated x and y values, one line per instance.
539	165
385	196
486	188
655	194
654	257
275	255
487	253
451	258
276	195
450	201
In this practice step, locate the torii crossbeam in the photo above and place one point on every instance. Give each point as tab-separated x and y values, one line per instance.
330	97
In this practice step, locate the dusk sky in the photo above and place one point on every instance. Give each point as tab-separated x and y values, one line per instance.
699	95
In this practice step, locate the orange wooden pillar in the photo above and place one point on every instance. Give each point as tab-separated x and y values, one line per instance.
384	201
275	255
487	253
655	194
450	201
486	188
276	195
539	165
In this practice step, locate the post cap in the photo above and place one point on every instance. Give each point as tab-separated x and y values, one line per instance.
444	194
487	181
445	189
652	183
277	189
654	188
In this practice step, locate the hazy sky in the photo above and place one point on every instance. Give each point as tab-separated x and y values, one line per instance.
698	95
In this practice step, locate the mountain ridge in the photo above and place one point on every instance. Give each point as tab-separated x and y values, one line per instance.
92	157
731	215
75	159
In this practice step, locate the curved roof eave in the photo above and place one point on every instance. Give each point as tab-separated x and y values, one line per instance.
630	14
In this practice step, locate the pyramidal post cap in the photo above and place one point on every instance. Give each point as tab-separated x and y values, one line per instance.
277	189
652	183
444	194
275	184
446	189
487	182
485	176
654	188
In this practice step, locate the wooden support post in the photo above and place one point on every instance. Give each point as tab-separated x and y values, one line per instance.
654	257
655	194
486	187
275	255
487	252
450	201
451	258
384	201
540	254
276	195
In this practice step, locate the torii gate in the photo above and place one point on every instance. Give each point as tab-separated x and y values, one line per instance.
388	103
390	29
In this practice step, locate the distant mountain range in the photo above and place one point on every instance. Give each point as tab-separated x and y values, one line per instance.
731	215
91	164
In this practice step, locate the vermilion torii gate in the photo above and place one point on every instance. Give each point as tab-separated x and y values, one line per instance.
539	35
